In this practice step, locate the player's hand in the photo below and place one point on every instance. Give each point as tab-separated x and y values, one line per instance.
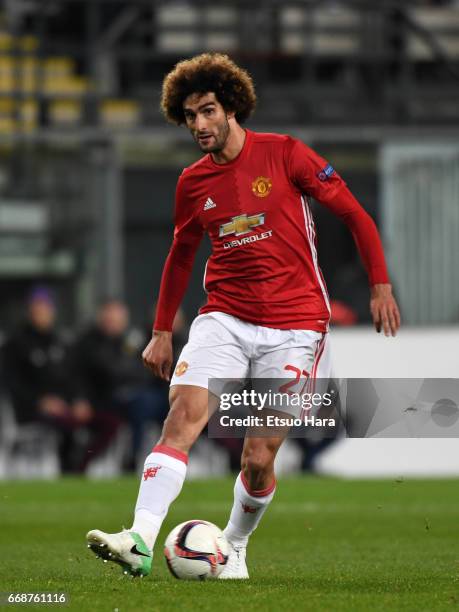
157	355
384	309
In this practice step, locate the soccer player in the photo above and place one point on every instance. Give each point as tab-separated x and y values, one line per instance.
267	309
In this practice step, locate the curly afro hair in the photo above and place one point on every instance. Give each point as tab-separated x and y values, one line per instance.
209	72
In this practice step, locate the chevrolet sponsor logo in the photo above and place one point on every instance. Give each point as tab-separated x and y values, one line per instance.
242	224
247	239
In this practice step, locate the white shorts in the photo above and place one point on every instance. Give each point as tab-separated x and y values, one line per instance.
221	346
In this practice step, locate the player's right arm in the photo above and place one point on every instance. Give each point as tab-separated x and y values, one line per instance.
158	354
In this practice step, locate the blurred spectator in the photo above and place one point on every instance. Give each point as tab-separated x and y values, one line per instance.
341	314
40	382
111	372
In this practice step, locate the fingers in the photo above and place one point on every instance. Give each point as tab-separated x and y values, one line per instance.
380	319
377	321
392	323
386	317
376	318
393	315
397	315
152	366
159	368
394	318
385	322
165	369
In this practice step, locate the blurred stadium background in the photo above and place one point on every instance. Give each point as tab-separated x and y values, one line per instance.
88	171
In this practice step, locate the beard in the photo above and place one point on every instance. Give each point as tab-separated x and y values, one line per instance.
217	140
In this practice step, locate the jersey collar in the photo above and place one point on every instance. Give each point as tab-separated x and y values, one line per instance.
239	158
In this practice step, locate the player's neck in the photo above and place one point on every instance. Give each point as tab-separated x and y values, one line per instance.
233	146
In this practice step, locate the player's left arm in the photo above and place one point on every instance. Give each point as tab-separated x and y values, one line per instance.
316	177
383	306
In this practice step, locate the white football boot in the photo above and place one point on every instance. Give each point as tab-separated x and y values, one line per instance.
126	548
235	568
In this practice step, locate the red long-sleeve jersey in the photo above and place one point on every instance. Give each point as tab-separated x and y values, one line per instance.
263	268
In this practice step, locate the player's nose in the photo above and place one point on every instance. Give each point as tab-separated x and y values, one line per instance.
201	123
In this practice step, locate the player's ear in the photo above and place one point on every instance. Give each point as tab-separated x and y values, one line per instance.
230	114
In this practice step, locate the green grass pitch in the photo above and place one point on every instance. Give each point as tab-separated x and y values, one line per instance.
324	544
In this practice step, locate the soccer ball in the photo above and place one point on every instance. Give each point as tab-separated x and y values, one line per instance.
196	550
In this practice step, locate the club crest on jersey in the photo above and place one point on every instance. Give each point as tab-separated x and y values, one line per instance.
261	186
181	368
242	224
326	173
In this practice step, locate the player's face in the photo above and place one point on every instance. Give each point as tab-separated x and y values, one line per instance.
113	318
207	121
42	314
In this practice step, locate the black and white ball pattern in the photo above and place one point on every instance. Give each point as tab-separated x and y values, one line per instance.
196	550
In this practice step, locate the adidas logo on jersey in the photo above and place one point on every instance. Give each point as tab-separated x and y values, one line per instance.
209	204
